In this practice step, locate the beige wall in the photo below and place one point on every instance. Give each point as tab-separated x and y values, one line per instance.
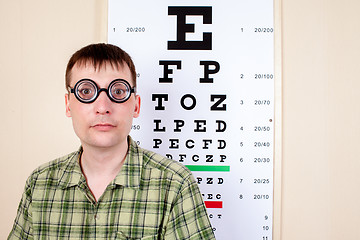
321	116
321	119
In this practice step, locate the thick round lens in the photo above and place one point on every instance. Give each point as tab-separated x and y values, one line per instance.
119	91
86	90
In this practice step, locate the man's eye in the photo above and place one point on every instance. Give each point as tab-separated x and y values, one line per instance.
86	91
119	92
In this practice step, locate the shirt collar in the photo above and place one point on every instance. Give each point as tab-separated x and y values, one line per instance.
72	174
129	175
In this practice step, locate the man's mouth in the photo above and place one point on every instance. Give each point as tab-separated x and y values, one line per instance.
103	126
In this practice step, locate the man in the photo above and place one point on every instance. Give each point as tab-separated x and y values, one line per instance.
110	188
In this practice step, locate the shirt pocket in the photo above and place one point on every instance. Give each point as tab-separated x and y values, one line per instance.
121	236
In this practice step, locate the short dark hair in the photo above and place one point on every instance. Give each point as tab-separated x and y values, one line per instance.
97	55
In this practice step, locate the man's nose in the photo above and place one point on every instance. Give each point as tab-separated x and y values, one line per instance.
103	104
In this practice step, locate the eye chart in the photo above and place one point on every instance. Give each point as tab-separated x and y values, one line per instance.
205	73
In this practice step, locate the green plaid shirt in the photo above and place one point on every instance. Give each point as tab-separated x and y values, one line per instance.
151	198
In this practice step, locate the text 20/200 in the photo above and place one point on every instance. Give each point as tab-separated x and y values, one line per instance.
135	29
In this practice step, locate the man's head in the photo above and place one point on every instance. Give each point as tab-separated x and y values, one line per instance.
105	72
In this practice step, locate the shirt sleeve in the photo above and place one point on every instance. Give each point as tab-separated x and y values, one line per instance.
22	228
188	218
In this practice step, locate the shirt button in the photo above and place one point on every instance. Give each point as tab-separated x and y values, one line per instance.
96	217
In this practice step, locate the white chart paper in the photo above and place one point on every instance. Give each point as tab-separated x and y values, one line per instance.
206	79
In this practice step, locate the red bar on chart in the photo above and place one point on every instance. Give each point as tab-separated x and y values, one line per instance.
213	204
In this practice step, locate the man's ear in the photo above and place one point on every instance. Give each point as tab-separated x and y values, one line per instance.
67	107
137	106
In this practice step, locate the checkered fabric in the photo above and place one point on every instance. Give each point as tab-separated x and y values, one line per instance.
152	197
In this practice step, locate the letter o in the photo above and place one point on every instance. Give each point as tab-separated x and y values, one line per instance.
182	102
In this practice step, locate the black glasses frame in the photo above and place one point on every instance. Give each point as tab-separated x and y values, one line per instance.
99	90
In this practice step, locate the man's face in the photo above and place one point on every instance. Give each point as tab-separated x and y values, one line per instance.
103	123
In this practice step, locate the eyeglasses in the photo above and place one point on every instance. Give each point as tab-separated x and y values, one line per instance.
87	91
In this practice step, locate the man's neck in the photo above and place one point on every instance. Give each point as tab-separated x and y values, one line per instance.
101	165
